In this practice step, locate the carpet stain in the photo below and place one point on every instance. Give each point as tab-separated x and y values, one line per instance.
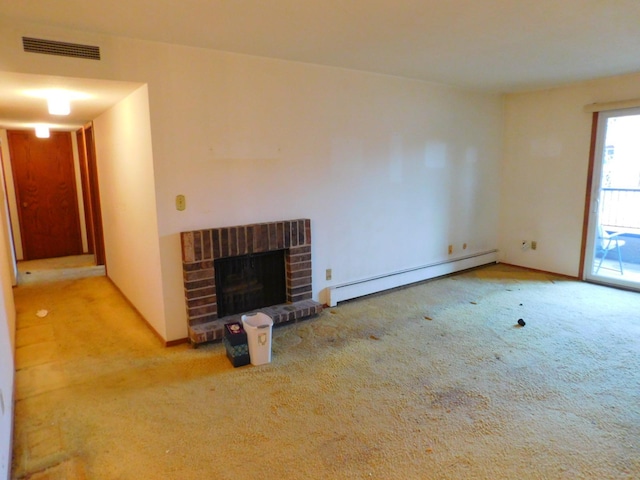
456	398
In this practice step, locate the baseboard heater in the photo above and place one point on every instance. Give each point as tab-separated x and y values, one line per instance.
360	288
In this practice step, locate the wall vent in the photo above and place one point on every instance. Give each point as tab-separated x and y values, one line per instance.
64	49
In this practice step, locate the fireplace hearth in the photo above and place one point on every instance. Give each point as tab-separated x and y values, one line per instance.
232	252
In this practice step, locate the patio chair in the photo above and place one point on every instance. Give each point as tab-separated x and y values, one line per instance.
607	242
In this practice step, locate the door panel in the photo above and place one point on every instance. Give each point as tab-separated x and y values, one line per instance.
46	194
613	239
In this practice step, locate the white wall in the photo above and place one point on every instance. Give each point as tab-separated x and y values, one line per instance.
128	203
546	158
11	193
390	171
7	341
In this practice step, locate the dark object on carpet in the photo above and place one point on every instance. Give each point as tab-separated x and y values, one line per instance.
521	322
235	343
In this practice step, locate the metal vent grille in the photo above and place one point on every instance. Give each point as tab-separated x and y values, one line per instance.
64	49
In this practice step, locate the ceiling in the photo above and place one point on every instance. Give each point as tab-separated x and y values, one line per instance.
489	45
23	99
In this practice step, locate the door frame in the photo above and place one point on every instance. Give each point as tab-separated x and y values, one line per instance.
90	197
588	203
91	192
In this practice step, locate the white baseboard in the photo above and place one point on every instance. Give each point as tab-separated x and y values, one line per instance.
360	288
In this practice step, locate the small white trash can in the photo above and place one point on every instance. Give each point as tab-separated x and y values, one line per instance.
258	328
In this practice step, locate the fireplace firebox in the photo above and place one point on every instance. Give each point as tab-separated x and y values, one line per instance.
249	282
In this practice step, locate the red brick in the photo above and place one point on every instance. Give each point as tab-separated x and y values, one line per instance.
294	234
199	302
215	236
301	232
299	274
207	309
199	275
298	282
199	292
206	245
224	242
280	235
208	282
242	241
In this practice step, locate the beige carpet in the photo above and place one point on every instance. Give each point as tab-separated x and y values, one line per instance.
433	381
56	269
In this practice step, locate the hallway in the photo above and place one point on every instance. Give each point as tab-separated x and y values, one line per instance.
73	328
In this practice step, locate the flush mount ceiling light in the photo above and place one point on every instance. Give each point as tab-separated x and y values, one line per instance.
58	99
59	104
42	131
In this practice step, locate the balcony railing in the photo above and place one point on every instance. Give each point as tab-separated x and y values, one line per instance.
620	209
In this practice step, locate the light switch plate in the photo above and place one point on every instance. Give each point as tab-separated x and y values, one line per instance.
181	202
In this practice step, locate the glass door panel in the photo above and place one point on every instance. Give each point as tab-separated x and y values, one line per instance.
613	240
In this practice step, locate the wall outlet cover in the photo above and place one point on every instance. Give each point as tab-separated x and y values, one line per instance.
181	203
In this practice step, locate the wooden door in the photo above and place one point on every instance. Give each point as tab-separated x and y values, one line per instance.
46	194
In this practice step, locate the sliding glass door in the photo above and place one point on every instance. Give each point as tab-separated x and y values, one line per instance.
613	240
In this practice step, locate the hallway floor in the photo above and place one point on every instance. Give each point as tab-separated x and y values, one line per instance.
55	269
71	323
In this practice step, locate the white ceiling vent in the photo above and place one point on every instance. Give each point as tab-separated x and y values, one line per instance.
64	49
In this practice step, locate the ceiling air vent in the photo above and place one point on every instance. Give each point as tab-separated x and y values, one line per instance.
51	47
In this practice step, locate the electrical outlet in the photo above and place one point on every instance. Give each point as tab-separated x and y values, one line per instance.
534	244
329	274
450	249
525	245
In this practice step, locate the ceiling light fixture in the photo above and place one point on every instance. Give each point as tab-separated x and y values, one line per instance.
42	131
59	105
48	93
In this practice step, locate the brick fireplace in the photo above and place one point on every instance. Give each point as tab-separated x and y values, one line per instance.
201	248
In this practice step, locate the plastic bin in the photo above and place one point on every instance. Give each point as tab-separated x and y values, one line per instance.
258	328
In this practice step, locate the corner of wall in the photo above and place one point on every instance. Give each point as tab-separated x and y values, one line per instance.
173	288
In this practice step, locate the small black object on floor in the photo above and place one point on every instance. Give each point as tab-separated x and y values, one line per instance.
521	322
235	343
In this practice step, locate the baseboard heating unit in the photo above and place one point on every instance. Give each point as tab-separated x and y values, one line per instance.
360	288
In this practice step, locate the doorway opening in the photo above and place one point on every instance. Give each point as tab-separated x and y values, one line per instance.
612	254
92	98
54	204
